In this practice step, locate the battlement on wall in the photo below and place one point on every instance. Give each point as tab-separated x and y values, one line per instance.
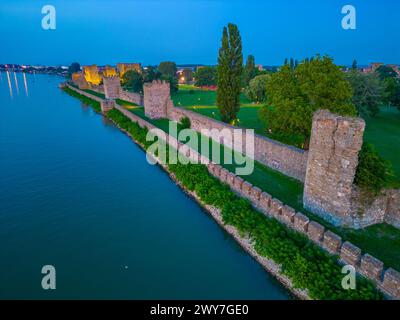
157	85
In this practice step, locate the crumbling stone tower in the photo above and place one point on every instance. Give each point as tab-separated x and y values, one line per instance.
112	87
157	99
332	162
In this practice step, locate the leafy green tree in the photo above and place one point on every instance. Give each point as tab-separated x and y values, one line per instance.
230	65
206	76
294	95
373	172
74	67
168	68
257	88
392	91
249	71
385	72
367	92
173	83
151	73
133	80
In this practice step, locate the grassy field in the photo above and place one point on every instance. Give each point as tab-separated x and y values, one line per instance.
188	96
383	132
382	241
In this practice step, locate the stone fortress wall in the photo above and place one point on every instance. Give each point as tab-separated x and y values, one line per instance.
327	169
112	87
386	279
157	100
286	159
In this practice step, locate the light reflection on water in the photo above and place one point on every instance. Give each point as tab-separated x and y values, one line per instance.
10	85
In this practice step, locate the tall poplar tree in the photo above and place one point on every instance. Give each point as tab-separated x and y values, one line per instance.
250	70
230	65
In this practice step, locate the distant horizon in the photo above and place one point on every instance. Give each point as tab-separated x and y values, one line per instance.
178	64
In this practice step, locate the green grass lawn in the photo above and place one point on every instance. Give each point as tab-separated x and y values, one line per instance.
188	96
382	241
383	132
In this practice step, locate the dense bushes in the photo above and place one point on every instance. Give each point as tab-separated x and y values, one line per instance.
373	172
137	132
307	265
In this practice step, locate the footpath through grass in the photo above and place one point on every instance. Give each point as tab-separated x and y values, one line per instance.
381	241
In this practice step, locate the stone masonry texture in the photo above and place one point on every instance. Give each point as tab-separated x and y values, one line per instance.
371	267
112	87
350	254
332	162
391	283
315	231
331	242
301	222
157	99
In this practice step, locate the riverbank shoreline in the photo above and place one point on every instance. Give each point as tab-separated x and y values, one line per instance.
270	266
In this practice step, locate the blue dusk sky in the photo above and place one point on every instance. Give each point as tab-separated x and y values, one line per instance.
147	31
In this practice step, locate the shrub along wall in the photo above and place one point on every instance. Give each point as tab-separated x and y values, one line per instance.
303	261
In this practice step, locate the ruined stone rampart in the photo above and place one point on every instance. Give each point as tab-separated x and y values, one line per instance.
331	167
388	280
133	97
286	159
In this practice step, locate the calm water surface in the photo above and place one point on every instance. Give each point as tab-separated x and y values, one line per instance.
78	194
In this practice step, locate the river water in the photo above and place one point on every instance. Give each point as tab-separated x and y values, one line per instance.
78	194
